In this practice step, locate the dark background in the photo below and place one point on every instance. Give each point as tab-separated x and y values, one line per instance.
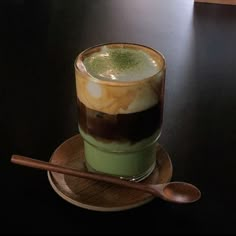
39	41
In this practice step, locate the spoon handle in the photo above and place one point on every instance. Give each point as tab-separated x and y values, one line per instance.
43	165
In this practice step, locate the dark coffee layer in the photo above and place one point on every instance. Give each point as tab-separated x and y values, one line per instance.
121	127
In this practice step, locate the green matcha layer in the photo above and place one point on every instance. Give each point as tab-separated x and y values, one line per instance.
134	162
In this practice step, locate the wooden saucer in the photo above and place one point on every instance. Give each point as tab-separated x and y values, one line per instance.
96	195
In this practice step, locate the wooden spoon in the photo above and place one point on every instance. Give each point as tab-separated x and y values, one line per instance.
177	192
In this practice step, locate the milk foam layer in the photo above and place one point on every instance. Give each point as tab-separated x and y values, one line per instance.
121	64
127	87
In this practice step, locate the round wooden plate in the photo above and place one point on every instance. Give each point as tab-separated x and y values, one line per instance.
96	195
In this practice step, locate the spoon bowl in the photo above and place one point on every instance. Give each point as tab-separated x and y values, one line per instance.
176	192
179	192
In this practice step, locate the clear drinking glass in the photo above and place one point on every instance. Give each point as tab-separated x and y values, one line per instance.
120	94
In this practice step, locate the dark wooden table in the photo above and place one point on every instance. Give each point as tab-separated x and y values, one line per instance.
38	44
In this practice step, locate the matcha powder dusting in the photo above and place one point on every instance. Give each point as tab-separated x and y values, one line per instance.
121	64
124	59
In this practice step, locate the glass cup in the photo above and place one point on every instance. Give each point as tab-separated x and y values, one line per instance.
120	95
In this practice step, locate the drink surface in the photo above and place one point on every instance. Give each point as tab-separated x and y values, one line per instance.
120	64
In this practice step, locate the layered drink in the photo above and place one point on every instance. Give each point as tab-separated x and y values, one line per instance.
120	91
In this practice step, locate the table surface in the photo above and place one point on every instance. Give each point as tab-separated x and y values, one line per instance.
39	43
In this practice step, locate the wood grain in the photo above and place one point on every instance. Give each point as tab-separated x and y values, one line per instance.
96	195
228	2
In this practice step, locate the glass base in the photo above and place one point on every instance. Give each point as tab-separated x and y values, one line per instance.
130	178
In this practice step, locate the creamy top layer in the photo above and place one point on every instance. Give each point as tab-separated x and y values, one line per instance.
120	64
137	72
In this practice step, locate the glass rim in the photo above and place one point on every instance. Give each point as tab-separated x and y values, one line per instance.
79	58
